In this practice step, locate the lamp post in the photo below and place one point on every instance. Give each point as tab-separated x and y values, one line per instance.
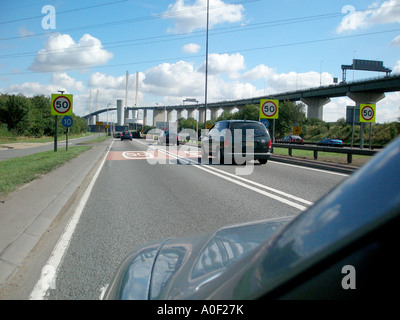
205	93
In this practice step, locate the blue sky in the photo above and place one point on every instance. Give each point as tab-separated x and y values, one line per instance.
256	47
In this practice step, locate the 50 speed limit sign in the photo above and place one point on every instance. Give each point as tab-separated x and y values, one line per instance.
269	109
367	113
61	104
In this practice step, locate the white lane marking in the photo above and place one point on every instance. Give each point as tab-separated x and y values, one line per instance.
288	202
49	271
312	169
275	197
264	187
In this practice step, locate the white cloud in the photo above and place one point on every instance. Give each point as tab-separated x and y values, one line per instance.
179	79
388	12
395	42
224	64
191	48
396	69
61	52
24	32
190	17
63	80
101	80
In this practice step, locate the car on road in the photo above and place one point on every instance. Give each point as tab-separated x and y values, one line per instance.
126	135
292	139
166	137
342	247
221	141
330	142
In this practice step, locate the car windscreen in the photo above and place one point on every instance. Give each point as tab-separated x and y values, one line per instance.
259	129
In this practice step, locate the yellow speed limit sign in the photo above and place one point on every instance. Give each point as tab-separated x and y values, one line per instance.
269	109
61	104
367	113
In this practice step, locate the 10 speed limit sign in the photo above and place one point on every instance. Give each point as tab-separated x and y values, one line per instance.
269	109
367	113
61	104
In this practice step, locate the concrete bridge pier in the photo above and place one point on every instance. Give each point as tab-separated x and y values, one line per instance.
214	113
202	114
120	113
315	107
158	116
169	115
145	116
180	113
193	113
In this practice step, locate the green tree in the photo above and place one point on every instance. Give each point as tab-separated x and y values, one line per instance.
289	114
14	109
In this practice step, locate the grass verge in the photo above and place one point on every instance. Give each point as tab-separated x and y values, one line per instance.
358	160
18	171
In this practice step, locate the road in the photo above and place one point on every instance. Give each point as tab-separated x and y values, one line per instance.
135	201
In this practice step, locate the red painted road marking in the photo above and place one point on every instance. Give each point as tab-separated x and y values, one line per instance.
150	154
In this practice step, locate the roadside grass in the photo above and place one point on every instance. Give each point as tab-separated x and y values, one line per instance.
358	160
19	171
96	138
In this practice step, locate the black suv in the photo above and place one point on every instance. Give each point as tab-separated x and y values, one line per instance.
254	142
126	135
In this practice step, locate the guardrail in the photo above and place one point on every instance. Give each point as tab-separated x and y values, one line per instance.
316	149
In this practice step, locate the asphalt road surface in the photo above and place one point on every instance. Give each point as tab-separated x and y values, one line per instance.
145	192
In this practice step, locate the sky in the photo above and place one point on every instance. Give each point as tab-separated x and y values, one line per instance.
255	48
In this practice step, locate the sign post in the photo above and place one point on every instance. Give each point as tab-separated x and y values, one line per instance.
269	109
67	122
61	104
367	114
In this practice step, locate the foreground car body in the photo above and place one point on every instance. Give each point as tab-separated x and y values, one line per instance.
343	247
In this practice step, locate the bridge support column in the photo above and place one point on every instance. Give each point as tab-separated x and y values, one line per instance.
193	113
126	113
365	98
202	114
214	113
120	113
180	113
169	115
158	116
228	109
145	116
315	107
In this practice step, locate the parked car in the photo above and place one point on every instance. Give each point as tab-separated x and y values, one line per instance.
330	142
126	135
342	247
167	137
220	141
292	139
